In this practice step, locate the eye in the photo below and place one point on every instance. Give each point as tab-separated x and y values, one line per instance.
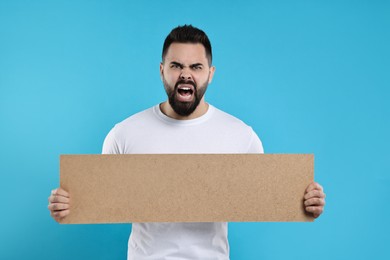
175	66
197	67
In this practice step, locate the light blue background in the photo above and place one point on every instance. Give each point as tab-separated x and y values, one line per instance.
308	76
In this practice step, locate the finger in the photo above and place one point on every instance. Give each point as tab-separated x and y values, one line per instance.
314	186
58	199
60	192
58	206
57	215
315	202
314	194
316	211
57	195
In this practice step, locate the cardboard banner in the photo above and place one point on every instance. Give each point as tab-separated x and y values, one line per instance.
186	187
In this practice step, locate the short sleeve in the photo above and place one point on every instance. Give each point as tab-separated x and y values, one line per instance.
255	146
110	146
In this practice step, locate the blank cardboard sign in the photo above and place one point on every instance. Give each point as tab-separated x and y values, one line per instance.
186	187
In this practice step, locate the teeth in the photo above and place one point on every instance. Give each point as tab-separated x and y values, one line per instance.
185	88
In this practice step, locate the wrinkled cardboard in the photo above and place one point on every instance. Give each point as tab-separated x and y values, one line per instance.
186	187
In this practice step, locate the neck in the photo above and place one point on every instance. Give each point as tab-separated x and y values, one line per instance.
200	110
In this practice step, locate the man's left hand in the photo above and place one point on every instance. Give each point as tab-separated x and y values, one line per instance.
314	199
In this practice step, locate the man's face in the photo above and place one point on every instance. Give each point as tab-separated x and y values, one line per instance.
186	73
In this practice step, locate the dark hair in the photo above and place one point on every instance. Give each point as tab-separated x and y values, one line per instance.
188	34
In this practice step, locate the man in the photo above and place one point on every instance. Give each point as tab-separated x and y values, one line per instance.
184	123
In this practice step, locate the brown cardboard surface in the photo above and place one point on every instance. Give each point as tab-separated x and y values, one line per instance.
186	187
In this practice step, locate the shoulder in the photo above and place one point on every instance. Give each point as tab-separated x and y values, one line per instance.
142	117
237	131
127	128
228	120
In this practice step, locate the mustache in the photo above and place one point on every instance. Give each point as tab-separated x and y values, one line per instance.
189	82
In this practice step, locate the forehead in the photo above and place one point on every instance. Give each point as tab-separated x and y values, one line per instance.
186	53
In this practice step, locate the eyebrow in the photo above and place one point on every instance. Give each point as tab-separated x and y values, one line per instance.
177	64
182	65
196	65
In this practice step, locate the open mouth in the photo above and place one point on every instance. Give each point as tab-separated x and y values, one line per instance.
185	92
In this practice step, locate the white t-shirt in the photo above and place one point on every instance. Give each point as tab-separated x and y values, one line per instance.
152	132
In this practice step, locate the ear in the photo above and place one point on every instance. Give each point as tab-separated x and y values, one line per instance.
211	75
161	70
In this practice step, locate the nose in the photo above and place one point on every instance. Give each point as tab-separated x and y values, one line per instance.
185	74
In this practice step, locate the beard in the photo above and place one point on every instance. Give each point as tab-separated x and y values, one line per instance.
184	108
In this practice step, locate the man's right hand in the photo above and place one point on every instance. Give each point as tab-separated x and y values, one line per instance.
59	204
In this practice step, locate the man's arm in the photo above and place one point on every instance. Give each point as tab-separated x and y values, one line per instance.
314	199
